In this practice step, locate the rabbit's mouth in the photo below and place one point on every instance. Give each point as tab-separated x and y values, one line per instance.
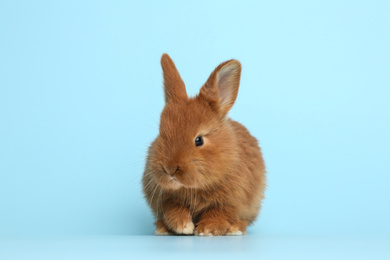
173	179
171	182
175	182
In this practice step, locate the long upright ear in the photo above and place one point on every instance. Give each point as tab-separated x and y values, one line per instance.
174	87
221	88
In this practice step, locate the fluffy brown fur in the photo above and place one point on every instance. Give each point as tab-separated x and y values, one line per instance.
212	189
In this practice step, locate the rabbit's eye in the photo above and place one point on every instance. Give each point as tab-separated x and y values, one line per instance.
199	141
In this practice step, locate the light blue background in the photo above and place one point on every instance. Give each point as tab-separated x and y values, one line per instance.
80	97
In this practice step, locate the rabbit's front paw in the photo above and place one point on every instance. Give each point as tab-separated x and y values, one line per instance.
212	228
179	221
186	228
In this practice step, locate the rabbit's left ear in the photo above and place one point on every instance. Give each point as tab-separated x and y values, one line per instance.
221	88
174	87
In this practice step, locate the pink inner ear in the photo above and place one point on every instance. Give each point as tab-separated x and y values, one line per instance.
227	84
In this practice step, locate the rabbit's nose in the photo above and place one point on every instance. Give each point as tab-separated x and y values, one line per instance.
171	170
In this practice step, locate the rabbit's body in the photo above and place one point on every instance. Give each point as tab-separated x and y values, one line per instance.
204	172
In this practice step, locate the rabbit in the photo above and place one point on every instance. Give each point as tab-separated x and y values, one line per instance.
204	173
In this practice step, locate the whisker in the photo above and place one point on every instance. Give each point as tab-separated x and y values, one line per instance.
148	184
154	191
159	199
191	199
193	211
186	201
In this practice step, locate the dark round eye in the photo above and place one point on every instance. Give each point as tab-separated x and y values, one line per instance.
199	141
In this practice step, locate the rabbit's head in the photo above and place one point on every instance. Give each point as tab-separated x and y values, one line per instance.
196	142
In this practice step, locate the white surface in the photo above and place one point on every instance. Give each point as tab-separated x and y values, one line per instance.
191	247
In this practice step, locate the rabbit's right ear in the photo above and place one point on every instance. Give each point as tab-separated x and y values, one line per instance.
221	88
174	87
